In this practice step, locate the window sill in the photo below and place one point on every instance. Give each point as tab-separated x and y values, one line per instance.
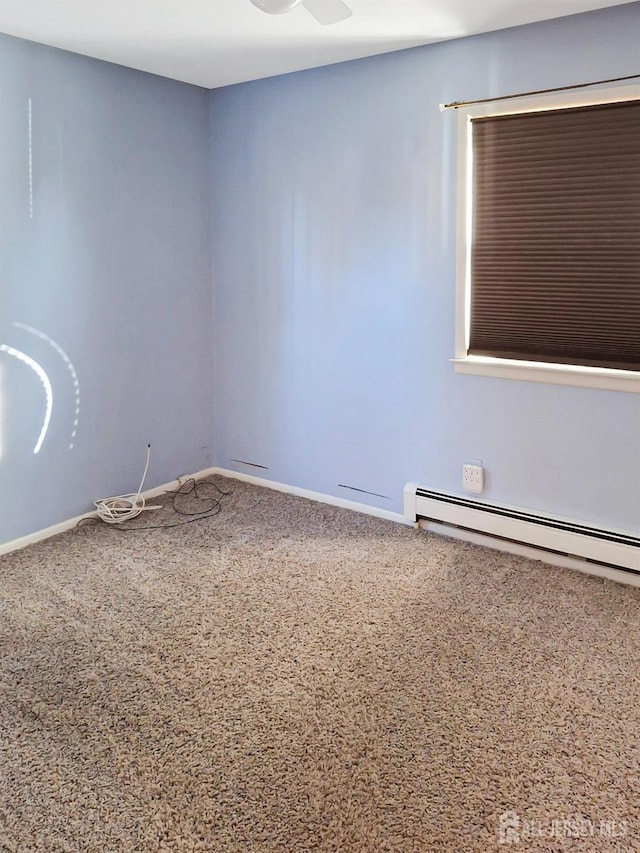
556	374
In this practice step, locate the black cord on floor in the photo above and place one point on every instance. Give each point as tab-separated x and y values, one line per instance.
191	490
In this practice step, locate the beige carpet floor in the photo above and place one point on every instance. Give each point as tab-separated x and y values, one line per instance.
289	676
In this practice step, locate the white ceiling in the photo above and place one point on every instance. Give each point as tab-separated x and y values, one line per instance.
217	42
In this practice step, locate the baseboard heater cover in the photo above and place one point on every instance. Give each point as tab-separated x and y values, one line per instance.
561	536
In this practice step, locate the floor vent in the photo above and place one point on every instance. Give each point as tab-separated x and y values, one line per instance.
609	547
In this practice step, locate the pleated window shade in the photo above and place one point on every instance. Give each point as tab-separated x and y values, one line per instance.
555	257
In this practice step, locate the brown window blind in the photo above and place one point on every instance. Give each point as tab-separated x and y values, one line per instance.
555	255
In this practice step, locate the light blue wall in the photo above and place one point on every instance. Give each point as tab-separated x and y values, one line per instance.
113	263
334	274
333	260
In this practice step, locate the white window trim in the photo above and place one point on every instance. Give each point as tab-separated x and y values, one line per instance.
560	374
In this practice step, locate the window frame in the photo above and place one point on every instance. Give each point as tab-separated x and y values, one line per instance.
563	374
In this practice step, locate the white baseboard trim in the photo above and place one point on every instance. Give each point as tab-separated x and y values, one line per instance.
39	535
549	557
319	497
54	530
69	524
506	546
485	540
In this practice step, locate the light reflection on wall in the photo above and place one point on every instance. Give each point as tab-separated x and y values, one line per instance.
46	384
69	366
30	155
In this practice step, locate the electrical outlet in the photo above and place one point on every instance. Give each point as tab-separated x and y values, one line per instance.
472	478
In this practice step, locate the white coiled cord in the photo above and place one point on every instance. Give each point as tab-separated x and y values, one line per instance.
124	507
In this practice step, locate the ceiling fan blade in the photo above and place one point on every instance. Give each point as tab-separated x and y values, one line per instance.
327	11
275	7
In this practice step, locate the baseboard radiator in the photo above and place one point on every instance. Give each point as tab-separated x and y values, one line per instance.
555	535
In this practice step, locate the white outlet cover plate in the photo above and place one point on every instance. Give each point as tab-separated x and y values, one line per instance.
473	478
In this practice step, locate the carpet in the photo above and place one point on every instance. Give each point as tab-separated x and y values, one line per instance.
288	676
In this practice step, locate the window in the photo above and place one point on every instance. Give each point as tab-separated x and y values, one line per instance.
549	239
